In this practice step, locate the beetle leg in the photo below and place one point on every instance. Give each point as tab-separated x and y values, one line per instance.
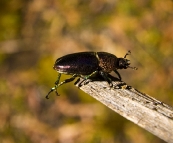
58	78
104	75
67	80
90	75
57	84
55	87
117	74
87	78
52	89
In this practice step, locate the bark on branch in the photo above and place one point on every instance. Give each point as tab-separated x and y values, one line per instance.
145	111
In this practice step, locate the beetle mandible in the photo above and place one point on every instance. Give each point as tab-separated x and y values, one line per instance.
87	65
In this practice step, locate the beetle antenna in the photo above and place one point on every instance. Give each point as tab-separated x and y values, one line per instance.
134	68
128	53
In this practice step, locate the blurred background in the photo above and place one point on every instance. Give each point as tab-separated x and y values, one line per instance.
35	33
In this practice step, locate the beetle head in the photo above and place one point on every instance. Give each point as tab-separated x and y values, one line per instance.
124	63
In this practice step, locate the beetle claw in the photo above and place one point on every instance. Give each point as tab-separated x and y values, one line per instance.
111	85
86	81
47	96
57	94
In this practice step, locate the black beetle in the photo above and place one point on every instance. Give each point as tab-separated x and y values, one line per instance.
87	65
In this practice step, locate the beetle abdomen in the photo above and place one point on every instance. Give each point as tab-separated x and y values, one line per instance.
83	63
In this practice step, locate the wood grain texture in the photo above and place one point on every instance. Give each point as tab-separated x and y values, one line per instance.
145	111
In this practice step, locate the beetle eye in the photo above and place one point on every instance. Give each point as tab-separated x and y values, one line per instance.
121	63
128	62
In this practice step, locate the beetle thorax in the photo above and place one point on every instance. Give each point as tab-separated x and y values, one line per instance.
107	63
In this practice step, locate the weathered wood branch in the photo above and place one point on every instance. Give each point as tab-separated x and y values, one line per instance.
145	111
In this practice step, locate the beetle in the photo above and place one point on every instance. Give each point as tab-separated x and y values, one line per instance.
88	65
